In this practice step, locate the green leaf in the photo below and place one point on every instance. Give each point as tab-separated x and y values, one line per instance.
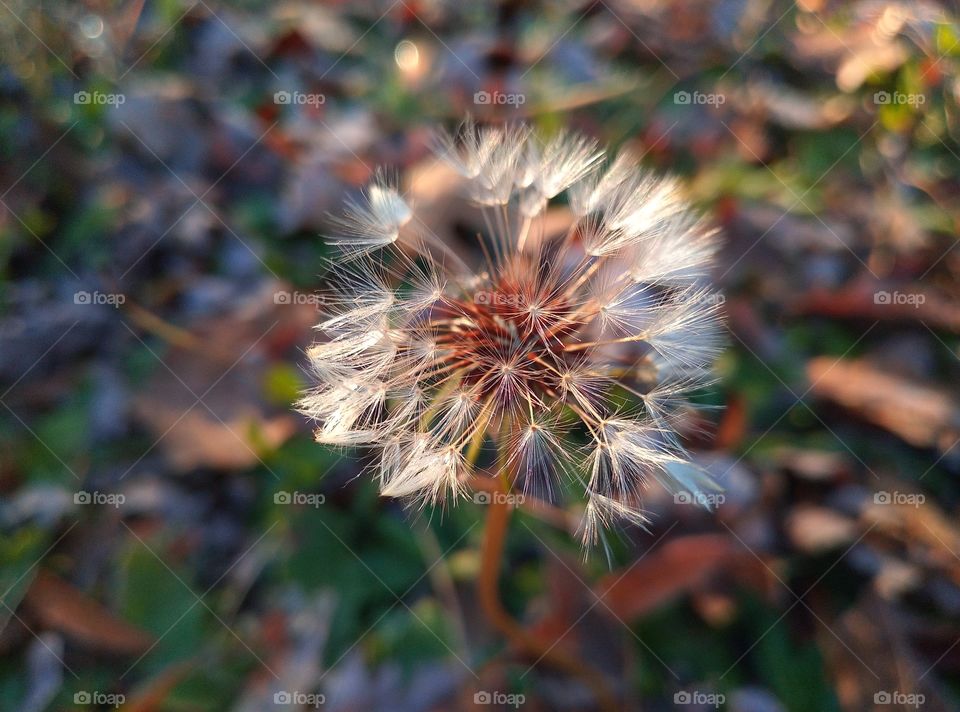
159	600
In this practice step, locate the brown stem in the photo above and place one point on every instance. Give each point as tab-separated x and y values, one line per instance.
498	517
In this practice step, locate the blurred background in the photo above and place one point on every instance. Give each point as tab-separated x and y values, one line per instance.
173	540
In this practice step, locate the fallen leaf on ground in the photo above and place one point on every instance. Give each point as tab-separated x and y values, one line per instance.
677	567
206	407
921	414
60	606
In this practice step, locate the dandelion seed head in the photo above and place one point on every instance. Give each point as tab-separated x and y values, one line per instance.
533	343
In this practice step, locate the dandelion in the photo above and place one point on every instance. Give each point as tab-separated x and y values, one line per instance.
573	354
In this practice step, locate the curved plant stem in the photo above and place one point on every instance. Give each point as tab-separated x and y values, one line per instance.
498	517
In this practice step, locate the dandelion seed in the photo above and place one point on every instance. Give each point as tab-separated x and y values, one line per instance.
565	160
536	349
373	222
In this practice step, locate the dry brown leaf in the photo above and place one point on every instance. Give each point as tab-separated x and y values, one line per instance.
923	415
60	606
868	652
125	22
733	424
230	426
677	567
815	529
812	465
919	522
866	300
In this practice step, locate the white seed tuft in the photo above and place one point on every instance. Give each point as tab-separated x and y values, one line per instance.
571	355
